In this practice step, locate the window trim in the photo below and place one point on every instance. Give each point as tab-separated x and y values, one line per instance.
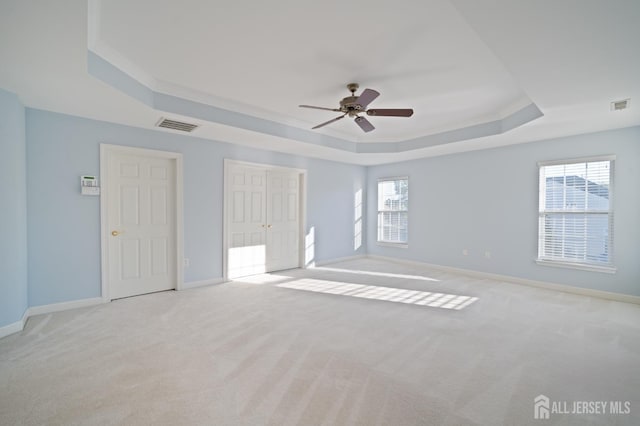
385	243
392	244
575	265
585	266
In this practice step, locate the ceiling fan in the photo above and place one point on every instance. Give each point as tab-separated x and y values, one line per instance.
354	105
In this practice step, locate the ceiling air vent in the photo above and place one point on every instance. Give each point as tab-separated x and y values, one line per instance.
620	105
176	125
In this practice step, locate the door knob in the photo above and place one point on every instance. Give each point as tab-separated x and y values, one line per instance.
115	233
269	226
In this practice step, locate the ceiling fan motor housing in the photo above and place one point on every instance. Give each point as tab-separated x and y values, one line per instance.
350	105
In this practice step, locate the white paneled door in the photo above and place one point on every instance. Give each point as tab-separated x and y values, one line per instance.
263	219
283	225
247	226
141	224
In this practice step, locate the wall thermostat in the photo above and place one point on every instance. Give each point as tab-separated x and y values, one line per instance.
89	185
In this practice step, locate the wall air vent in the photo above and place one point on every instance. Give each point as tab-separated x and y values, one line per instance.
620	105
176	125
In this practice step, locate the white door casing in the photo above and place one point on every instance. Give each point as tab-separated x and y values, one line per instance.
263	220
142	210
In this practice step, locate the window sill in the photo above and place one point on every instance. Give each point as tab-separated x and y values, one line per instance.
580	266
390	244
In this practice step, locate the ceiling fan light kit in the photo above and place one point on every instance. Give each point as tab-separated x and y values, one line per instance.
354	105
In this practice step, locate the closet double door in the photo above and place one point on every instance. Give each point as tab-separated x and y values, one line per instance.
263	219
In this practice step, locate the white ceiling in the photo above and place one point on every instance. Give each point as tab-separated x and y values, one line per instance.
457	63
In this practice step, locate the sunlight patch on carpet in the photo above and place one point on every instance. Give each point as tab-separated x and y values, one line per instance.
377	274
389	294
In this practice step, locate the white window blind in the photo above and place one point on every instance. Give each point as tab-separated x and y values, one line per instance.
393	207
576	213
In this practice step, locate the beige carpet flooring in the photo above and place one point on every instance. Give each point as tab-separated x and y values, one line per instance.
363	342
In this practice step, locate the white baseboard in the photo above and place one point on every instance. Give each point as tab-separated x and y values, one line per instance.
203	283
618	297
15	327
64	306
336	260
18	326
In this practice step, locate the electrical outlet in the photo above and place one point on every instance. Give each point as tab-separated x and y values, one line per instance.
487	254
186	262
465	252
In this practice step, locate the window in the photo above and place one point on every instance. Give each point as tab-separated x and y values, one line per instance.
393	205
575	225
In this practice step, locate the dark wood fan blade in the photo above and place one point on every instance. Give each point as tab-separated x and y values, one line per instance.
315	107
366	97
390	112
364	124
328	122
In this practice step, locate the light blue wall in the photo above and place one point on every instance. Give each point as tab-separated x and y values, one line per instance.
64	233
488	201
13	210
481	201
